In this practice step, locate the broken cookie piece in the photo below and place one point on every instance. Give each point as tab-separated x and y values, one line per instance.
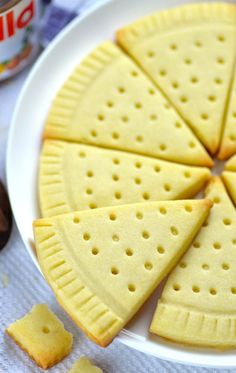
83	365
42	335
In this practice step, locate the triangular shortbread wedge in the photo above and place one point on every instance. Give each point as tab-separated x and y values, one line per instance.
109	102
228	143
189	53
231	164
103	264
198	303
79	177
229	178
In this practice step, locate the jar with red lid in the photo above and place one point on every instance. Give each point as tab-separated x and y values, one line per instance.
19	35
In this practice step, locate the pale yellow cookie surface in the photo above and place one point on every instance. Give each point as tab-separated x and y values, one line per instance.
83	365
229	178
103	264
231	164
198	302
189	53
42	335
108	101
228	144
80	177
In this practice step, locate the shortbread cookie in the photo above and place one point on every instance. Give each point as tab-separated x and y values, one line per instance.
198	302
231	164
229	178
109	102
228	143
83	365
189	53
42	335
103	264
79	177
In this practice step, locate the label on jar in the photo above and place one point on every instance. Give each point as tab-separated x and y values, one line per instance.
18	36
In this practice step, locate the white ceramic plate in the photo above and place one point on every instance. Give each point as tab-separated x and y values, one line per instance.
24	144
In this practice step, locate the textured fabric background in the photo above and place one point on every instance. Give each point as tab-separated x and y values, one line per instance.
26	287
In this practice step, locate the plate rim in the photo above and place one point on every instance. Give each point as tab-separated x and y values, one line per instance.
124	337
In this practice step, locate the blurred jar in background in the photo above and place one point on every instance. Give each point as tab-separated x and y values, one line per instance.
19	35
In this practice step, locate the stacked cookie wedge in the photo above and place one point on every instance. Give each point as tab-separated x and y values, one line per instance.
127	143
103	265
189	52
109	102
198	303
229	177
77	177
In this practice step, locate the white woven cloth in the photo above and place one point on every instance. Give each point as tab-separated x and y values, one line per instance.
22	286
